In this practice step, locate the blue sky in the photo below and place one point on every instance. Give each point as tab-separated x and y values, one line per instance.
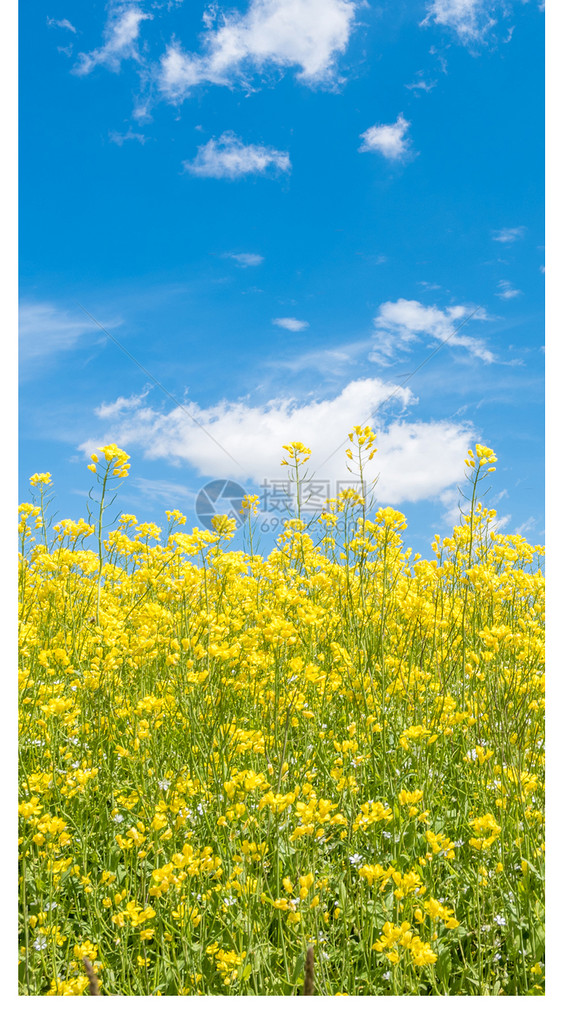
281	209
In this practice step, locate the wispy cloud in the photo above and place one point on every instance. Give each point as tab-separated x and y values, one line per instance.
336	361
121	33
46	329
389	139
420	84
227	157
402	323
64	23
450	498
309	34
171	494
429	286
416	460
509	235
112	409
469	19
507	291
246	260
120	139
528	526
291	323
502	522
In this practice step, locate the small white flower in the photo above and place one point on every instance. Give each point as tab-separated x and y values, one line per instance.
118	818
499	919
355	859
50	905
40	943
386	975
164	785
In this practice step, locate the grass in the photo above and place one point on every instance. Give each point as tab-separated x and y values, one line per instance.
227	760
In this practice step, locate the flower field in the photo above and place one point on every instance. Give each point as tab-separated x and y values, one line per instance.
226	758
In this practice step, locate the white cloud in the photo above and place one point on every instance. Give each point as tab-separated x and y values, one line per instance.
509	235
507	291
112	409
420	460
246	260
229	158
415	460
291	323
388	138
470	19
65	23
121	33
45	329
402	323
309	34
120	139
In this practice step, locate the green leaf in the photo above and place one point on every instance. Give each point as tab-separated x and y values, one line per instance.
299	966
443	966
410	836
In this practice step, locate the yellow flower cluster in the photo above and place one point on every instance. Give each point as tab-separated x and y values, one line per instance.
393	937
117	461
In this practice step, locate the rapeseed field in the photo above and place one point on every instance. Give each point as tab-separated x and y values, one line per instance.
226	758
